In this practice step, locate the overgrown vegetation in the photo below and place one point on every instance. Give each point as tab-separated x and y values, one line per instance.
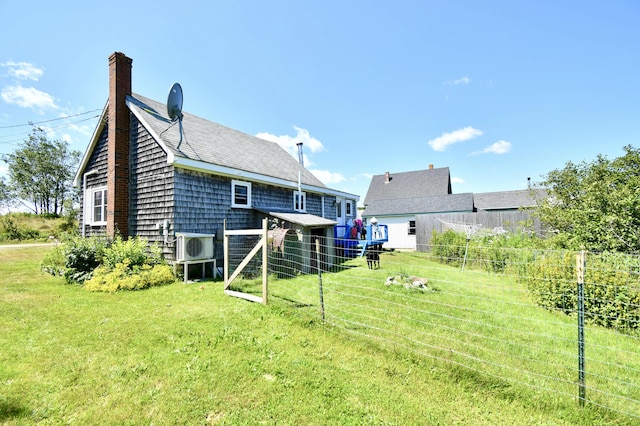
104	264
29	227
612	280
188	354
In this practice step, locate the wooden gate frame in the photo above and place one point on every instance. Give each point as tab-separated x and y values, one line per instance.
262	244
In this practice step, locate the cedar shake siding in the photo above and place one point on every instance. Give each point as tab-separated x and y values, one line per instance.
151	198
97	162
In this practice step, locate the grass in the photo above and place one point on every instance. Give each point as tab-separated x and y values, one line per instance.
188	354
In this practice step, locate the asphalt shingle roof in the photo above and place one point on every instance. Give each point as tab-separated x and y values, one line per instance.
405	185
507	200
213	143
416	205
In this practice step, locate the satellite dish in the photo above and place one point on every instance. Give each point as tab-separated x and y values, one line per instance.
174	106
174	102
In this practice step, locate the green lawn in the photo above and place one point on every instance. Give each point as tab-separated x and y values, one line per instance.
188	354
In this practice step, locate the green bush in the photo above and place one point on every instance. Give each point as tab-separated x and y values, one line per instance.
10	230
82	256
611	286
135	252
123	277
79	258
448	247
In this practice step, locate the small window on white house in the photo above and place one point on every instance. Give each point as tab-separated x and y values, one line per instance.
411	227
240	194
96	206
299	201
348	208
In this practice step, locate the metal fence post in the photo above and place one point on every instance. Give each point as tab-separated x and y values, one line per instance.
319	277
580	267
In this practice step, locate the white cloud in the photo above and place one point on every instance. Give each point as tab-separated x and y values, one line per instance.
28	97
442	142
289	143
328	177
462	80
500	147
23	70
456	179
4	170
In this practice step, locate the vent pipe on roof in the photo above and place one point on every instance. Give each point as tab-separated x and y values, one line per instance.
529	183
387	178
300	155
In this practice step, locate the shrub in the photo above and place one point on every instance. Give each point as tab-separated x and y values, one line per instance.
134	251
82	256
123	277
611	287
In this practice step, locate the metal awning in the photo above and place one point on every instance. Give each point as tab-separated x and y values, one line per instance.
302	219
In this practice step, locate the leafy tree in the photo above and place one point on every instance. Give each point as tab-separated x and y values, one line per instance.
595	205
6	196
40	172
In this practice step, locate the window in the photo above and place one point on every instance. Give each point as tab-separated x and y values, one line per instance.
299	201
411	227
96	206
240	194
348	208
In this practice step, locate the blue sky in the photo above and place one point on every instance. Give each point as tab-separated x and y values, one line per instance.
498	91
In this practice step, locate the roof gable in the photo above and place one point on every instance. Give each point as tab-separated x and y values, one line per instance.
421	183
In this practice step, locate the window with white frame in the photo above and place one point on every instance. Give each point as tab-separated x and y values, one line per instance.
411	227
96	205
299	201
348	208
240	194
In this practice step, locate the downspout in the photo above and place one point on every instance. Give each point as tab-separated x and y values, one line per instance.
84	200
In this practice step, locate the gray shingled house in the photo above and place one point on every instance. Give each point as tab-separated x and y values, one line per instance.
141	177
410	203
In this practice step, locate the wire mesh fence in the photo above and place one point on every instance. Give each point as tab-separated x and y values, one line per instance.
509	317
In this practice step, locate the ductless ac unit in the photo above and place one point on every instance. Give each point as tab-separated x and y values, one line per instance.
192	246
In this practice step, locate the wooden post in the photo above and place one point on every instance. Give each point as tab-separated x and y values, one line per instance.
226	255
265	260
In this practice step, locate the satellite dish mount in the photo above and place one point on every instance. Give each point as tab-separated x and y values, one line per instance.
174	107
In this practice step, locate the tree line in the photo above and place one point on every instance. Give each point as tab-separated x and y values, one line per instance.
40	175
592	205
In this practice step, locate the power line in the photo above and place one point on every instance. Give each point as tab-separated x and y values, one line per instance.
33	123
69	124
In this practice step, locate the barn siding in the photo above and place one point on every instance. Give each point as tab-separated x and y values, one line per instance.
512	221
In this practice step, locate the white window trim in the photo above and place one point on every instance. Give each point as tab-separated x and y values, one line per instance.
235	183
89	210
303	199
348	208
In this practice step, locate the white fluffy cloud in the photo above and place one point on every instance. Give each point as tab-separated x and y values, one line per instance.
289	143
500	147
28	97
443	141
328	177
458	81
23	70
456	179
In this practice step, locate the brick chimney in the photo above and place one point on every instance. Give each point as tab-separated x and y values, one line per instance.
118	146
387	178
430	166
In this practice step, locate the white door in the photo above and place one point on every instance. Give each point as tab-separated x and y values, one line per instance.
340	216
